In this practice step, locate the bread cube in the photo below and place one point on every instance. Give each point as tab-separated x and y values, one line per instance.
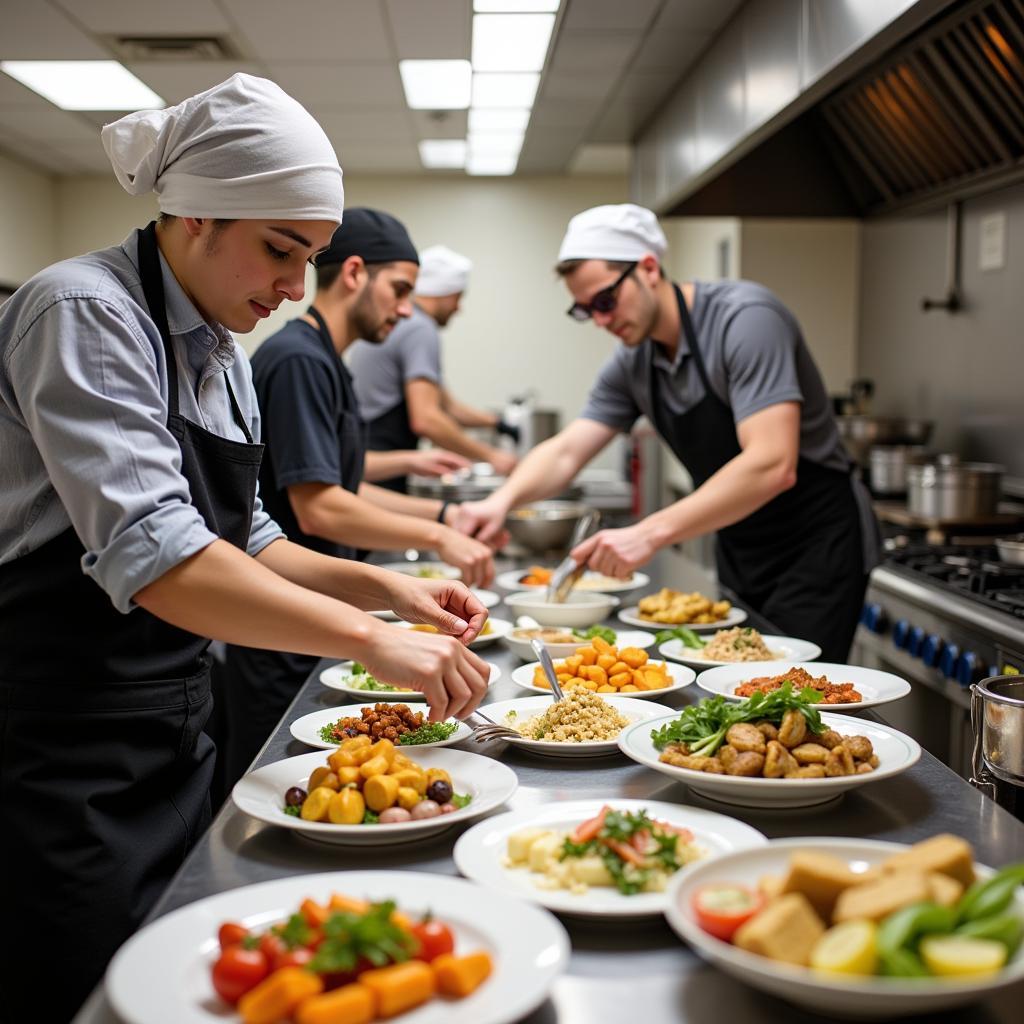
874	900
947	854
820	877
787	929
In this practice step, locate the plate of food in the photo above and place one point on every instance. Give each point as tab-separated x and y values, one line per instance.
770	750
731	646
368	793
424	570
603	668
493	629
488	598
856	927
842	687
620	857
678	608
352	678
404	726
583	724
484	956
562	641
537	577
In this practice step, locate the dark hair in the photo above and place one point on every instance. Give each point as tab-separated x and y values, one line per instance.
327	275
567	267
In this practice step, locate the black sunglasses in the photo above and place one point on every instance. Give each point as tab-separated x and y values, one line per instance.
604	301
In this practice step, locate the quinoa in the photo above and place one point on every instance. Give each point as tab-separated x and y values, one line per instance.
581	717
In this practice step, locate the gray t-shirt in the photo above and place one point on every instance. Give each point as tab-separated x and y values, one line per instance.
755	357
412	351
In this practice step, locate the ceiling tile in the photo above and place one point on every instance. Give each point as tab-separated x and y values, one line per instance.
557	113
132	18
36	31
451	124
438	30
608	14
365	126
333	85
337	30
52	126
589	51
642	89
696	15
592	85
176	81
671	49
601	159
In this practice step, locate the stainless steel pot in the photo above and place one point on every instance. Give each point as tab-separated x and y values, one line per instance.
964	491
859	433
1011	549
888	471
997	716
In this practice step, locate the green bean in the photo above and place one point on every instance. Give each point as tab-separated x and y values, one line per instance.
993	896
900	929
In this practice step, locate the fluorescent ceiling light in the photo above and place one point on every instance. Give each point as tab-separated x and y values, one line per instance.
514	6
495	145
491	164
436	84
84	84
501	122
505	90
436	153
511	42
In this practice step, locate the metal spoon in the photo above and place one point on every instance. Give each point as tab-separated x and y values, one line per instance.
549	669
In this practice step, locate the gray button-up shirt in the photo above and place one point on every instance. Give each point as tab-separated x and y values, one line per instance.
83	419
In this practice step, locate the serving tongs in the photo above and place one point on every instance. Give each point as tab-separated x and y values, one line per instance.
568	572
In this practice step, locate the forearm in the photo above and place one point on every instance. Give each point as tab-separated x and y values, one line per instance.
224	594
440	428
405	504
739	488
545	471
467	415
385	465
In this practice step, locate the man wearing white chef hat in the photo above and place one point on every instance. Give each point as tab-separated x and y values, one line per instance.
721	370
400	385
131	531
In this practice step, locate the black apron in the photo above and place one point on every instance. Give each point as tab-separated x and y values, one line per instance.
393	432
105	773
259	685
798	560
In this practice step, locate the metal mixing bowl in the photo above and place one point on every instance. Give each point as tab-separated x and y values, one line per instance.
544	525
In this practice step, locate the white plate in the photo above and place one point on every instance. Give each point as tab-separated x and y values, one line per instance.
307	729
488	598
445	571
788	648
875	687
866	998
338	677
680	675
512	580
896	753
480	852
623	638
488	782
162	974
527	707
500	628
631	616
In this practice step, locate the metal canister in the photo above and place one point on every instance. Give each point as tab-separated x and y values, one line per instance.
997	717
964	491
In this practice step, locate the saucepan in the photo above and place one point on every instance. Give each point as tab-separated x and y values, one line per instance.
1011	549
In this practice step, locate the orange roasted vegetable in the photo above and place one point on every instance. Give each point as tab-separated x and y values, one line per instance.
460	976
400	987
350	1004
278	996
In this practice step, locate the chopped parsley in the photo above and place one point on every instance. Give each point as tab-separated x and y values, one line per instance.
429	732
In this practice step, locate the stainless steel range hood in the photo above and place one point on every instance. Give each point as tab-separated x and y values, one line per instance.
830	108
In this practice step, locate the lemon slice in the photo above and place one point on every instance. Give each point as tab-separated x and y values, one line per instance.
961	956
848	948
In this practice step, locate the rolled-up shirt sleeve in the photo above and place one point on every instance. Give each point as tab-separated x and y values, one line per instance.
611	399
85	378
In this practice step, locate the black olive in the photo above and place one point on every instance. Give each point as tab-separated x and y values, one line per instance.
439	791
295	797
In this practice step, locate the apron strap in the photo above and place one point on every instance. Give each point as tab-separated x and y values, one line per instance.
153	289
691	339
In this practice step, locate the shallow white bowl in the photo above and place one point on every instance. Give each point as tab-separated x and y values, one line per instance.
578	612
623	638
896	753
500	628
680	675
589	581
632	617
307	728
788	648
339	677
866	998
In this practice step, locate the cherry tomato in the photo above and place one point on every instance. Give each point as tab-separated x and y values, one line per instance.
237	971
231	934
720	909
272	946
434	938
298	957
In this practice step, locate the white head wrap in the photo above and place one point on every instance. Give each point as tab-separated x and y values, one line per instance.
623	232
241	150
442	272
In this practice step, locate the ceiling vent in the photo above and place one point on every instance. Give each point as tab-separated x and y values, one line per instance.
135	49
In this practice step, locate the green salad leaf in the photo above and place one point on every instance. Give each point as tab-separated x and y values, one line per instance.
372	936
429	732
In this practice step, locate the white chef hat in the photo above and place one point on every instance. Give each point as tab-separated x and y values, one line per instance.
622	232
442	272
241	150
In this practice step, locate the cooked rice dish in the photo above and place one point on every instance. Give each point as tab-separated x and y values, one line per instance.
742	643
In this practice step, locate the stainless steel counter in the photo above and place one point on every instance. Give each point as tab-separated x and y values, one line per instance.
617	970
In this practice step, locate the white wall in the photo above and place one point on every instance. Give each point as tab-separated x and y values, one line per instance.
27	221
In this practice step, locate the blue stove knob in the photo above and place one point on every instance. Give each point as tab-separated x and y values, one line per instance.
969	669
873	617
900	633
931	649
948	660
915	642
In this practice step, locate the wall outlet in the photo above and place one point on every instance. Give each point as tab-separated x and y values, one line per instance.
992	254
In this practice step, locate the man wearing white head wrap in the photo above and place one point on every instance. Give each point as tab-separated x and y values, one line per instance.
131	531
722	372
399	383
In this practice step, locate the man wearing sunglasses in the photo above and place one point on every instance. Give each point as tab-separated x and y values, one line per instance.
722	372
